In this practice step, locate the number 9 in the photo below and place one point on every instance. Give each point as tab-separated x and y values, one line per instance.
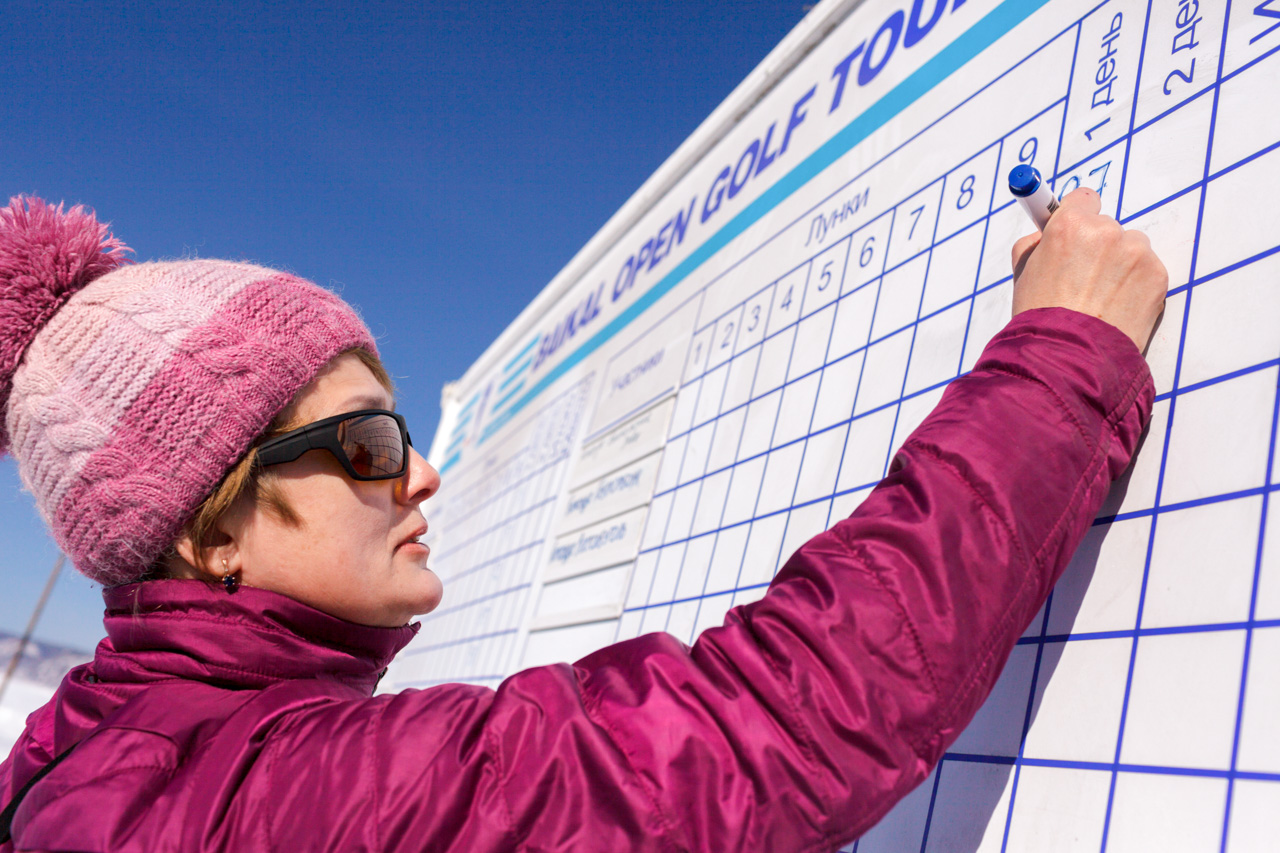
1028	157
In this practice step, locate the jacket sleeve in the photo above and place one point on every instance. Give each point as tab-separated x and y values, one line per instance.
808	714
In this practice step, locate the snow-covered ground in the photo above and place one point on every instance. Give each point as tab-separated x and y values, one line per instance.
41	670
20	699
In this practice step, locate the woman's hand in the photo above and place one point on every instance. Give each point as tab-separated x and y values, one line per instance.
1086	262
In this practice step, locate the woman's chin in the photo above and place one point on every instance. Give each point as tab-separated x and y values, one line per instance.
432	594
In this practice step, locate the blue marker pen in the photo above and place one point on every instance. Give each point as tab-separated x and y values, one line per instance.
1033	194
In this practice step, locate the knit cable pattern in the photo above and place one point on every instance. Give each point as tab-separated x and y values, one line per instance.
132	405
46	255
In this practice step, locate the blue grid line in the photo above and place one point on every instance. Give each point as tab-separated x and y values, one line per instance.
470	570
1229	268
1223	78
767	320
908	141
1187	504
1208	179
651	605
915	327
434	664
530	537
794	324
702	386
1265	490
653	578
826	350
773	431
559	423
986	220
840	189
715	426
1041	639
1262	530
768	317
1071	76
1133	116
877	281
489	597
1163	631
1067	764
626	593
476	558
837	425
1026	720
1164	459
838	493
933	799
857	388
1218	380
489	530
666	523
684	451
450	643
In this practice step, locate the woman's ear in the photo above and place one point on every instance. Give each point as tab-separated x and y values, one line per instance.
205	563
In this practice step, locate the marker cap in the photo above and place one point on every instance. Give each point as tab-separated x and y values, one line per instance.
1024	180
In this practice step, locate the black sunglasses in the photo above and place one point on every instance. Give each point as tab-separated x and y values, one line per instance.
371	444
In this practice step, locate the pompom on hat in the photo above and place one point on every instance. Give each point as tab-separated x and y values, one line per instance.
129	390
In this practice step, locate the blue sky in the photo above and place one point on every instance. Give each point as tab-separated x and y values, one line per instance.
436	163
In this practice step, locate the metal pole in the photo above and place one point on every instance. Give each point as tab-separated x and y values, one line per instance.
31	625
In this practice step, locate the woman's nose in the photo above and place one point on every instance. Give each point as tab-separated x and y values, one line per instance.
420	482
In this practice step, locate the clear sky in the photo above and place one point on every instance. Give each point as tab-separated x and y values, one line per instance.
436	163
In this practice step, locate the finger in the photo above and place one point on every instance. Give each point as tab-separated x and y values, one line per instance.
1022	252
1132	235
1081	199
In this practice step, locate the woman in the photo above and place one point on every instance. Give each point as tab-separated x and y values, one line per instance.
214	443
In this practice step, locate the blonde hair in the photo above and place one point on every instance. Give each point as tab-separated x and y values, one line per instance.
245	478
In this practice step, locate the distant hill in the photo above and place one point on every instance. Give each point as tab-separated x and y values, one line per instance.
41	663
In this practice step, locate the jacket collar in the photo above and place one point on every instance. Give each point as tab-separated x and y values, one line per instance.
163	629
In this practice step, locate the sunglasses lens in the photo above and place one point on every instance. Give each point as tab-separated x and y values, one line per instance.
373	445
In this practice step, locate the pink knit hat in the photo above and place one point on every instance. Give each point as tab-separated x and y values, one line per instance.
129	390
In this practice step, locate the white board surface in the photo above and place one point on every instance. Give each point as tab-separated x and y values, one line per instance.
728	366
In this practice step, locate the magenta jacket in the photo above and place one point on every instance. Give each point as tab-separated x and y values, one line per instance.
210	721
